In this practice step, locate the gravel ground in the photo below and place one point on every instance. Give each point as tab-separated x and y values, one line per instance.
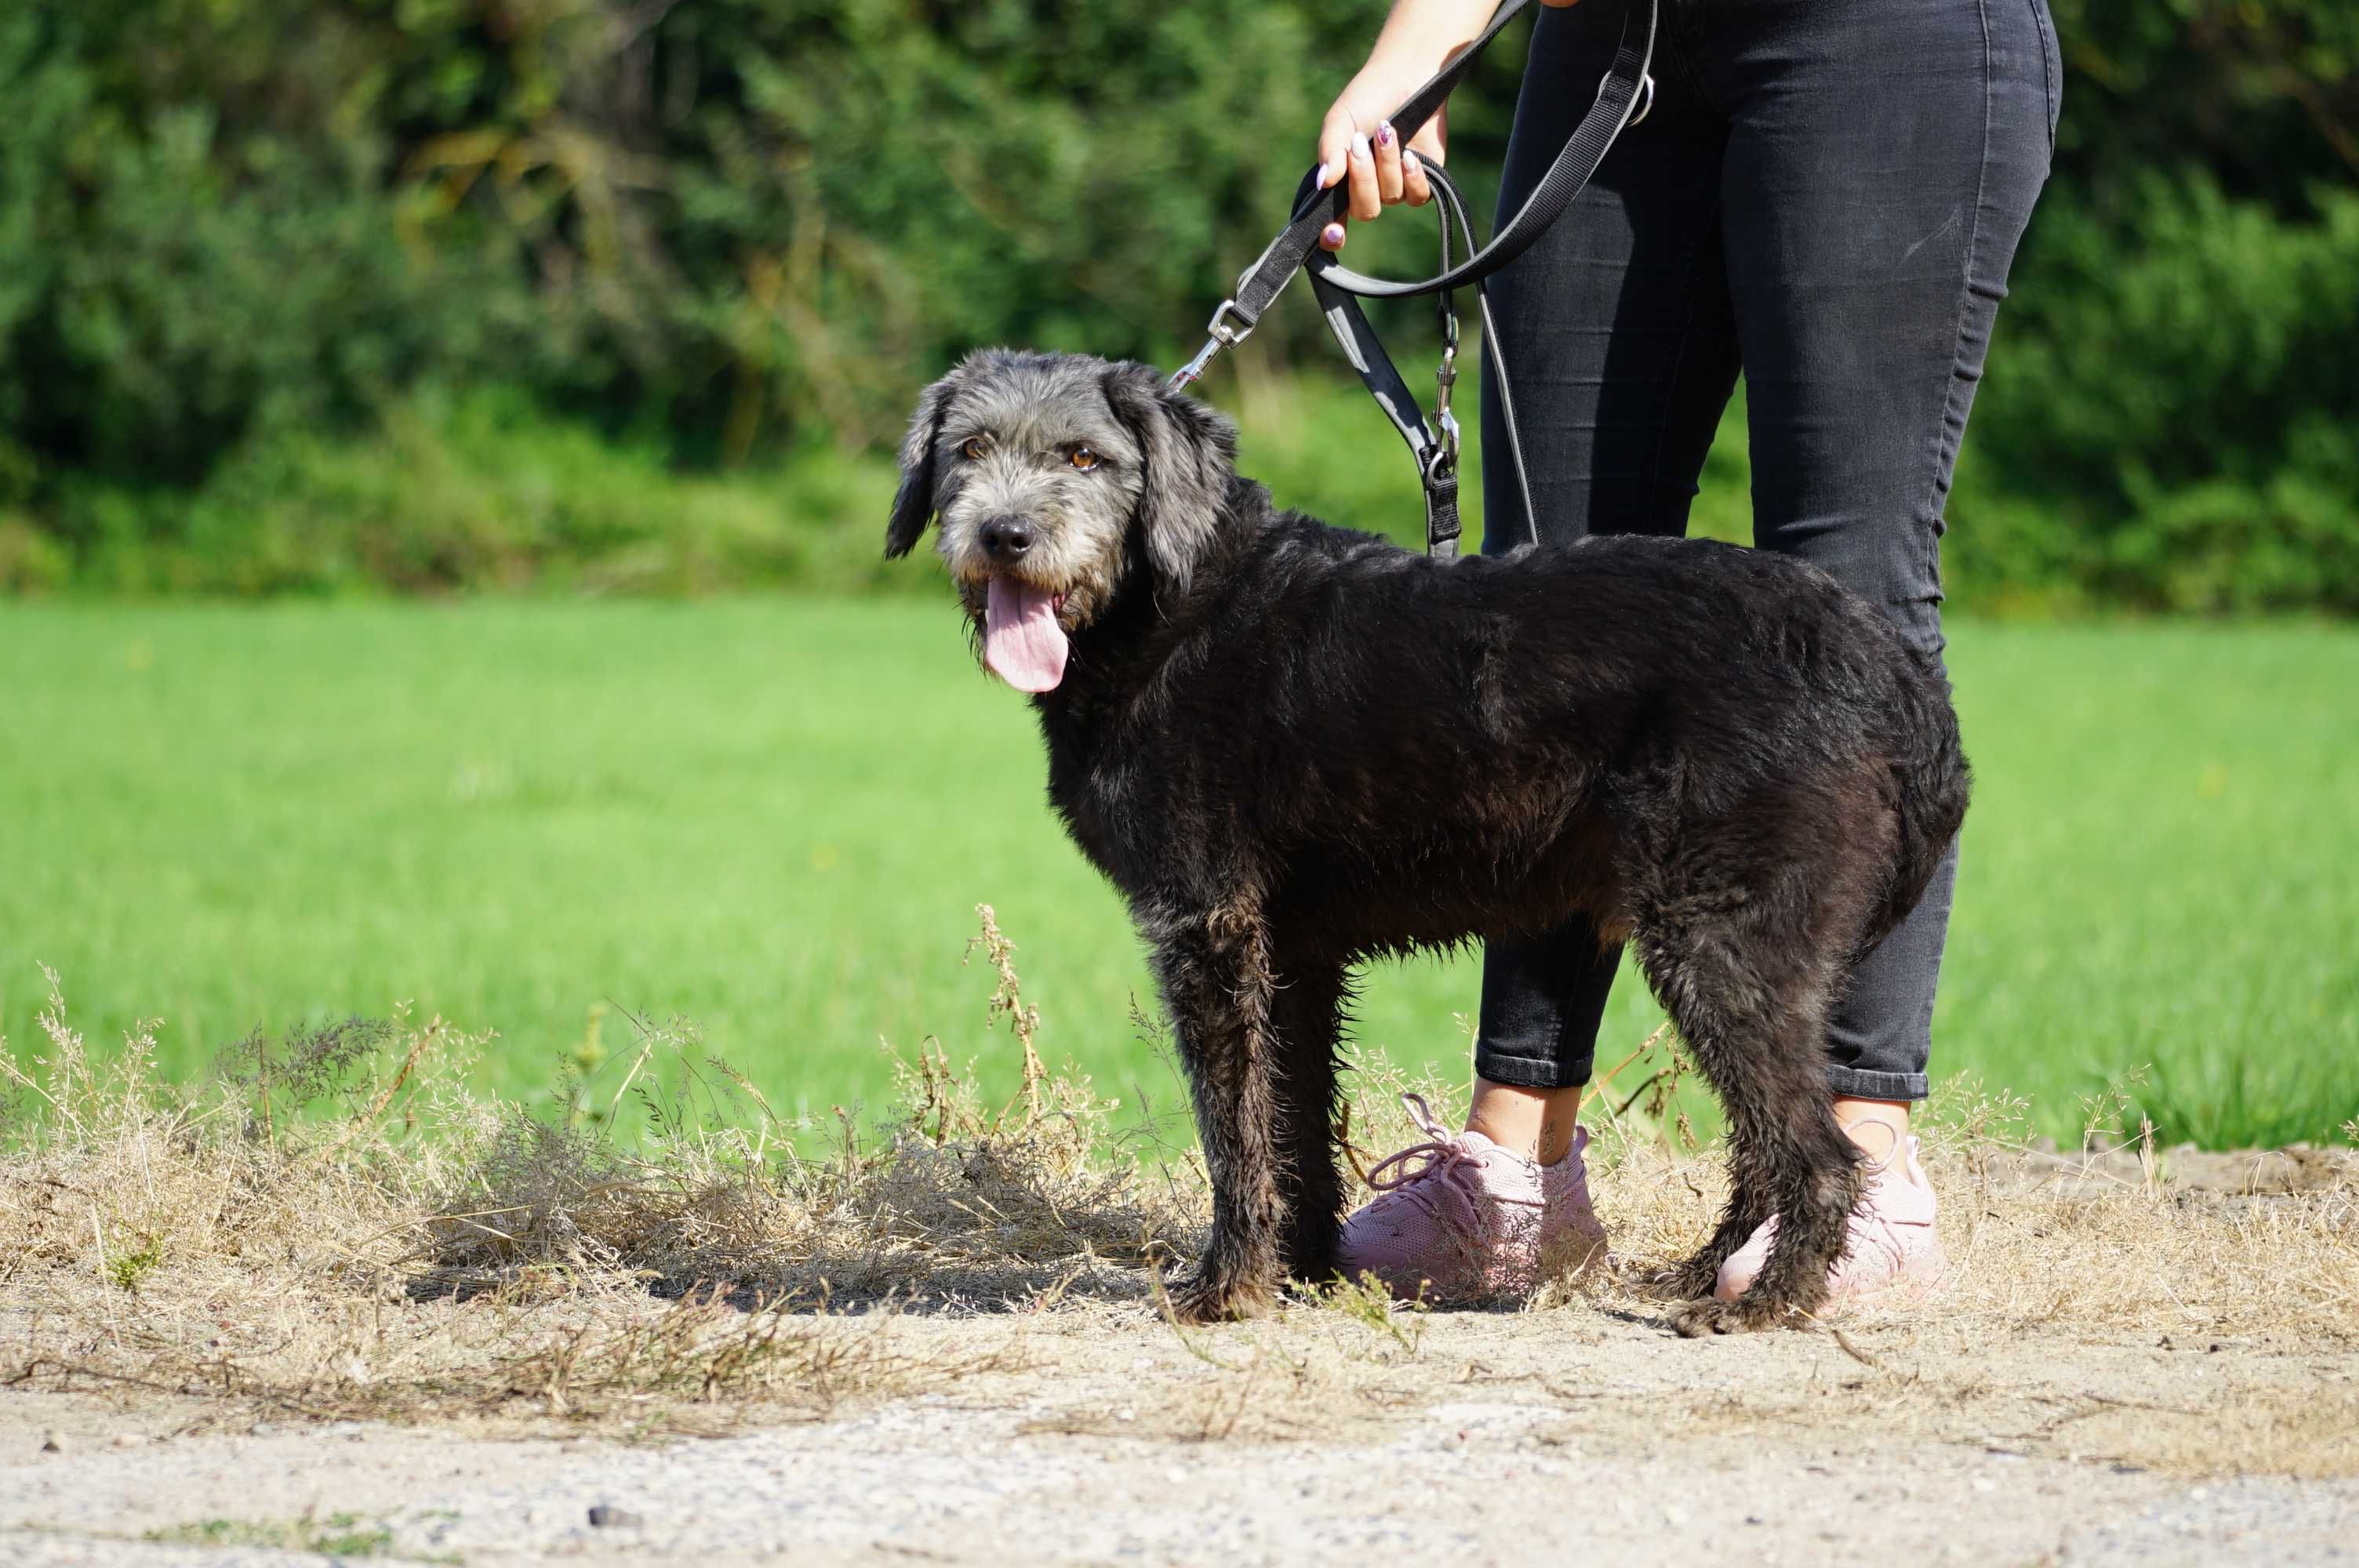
1110	1438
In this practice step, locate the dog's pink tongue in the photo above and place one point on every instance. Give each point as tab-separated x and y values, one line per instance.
1021	639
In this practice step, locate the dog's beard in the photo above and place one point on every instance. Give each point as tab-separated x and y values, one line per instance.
1021	639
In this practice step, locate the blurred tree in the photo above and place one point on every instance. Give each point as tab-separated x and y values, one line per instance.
2179	368
736	225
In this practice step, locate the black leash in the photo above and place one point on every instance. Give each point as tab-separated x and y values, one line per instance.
1624	96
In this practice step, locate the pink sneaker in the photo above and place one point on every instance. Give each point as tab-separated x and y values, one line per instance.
1892	1239
1458	1218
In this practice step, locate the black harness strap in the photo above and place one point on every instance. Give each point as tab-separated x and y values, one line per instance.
1624	96
1434	445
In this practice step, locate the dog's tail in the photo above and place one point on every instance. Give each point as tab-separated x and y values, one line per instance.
1928	765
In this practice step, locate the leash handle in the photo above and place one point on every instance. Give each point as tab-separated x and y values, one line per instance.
1625	97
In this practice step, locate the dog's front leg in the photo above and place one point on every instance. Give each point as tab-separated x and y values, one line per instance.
1308	1014
1217	982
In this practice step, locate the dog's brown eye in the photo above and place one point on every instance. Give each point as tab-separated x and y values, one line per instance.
973	448
1082	457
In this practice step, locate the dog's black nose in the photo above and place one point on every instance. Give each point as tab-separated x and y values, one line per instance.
1004	538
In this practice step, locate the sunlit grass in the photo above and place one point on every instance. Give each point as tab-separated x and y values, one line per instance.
775	818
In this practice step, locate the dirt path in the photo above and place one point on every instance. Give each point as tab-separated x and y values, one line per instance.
1102	1435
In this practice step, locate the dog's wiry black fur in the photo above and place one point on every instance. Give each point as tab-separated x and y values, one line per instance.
1294	747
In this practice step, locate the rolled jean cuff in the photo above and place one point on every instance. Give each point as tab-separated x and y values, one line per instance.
1526	1071
1858	1085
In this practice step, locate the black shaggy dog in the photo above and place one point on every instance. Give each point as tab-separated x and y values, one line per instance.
1294	747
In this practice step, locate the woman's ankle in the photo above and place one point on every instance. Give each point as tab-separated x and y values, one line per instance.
1532	1124
1880	1126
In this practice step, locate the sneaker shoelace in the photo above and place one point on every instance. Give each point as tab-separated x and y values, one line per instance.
1438	1173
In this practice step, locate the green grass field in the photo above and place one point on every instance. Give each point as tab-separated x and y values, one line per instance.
774	817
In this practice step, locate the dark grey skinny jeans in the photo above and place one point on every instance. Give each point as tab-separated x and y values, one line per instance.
1826	195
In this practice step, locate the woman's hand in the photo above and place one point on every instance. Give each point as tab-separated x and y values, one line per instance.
1359	145
1356	144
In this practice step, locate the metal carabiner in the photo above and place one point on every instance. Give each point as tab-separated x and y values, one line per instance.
1444	378
1221	331
1442	458
1222	336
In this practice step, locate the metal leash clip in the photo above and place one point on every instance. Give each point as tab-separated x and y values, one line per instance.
1224	336
1446	454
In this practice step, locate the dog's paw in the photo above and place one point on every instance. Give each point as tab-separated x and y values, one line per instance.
1203	1301
1748	1313
1688	1281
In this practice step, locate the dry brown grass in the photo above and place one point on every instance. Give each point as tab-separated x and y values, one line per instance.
2084	1242
336	1227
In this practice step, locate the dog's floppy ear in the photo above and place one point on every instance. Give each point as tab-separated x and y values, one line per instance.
1189	450
913	503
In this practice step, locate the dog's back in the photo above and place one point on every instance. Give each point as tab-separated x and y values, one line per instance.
1364	651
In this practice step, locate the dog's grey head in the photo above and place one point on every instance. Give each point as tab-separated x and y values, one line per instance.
1055	476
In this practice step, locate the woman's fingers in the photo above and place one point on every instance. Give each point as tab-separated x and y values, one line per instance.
1334	164
1416	189
1375	171
1387	149
1334	143
1367	203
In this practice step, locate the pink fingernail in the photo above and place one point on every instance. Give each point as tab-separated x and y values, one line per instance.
1331	236
1326	174
1385	135
1359	145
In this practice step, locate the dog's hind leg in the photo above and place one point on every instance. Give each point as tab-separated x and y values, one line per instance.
1220	987
1747	971
1307	1012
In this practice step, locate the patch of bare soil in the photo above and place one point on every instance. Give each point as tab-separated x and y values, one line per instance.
1099	1434
432	1326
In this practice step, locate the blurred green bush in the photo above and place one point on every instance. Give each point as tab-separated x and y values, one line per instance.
480	492
627	294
